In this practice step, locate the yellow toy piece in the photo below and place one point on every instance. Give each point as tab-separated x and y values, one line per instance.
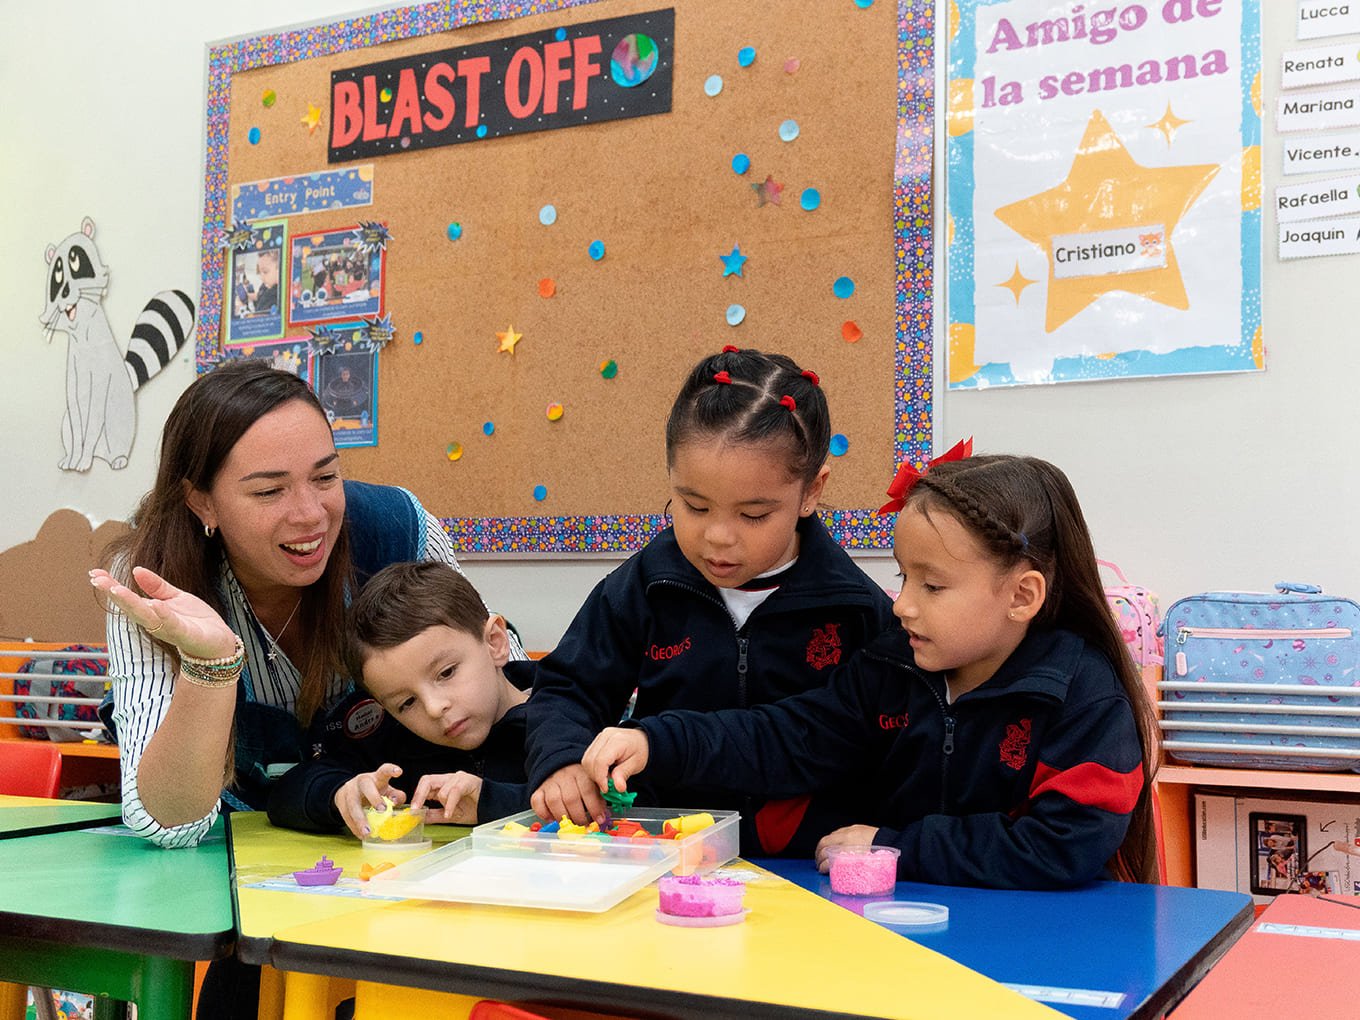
515	829
387	825
687	825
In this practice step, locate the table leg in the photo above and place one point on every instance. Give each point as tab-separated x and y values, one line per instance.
13	1001
271	994
306	996
160	987
392	1002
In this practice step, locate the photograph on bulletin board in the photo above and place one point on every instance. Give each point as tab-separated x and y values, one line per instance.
334	276
1104	190
347	384
292	354
255	268
578	200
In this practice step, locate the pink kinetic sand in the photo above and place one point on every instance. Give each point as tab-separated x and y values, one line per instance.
863	870
695	896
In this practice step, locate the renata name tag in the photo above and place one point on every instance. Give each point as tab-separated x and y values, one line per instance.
1319	65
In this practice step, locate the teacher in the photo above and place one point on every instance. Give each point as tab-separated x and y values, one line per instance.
226	626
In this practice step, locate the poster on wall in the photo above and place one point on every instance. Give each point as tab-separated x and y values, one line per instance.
1104	212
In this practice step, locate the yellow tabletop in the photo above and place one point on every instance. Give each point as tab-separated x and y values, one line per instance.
794	950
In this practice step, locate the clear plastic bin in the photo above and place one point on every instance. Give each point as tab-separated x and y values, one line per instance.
695	854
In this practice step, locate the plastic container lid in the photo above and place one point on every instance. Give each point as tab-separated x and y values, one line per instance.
910	916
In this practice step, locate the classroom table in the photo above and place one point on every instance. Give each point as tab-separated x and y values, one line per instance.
101	911
32	816
796	954
1107	951
1298	960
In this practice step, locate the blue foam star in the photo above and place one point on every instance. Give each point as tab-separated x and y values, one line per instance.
732	263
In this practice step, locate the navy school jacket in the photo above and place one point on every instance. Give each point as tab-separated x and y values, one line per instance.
357	736
656	624
1027	782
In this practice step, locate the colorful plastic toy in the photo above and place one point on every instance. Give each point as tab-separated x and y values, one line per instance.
323	872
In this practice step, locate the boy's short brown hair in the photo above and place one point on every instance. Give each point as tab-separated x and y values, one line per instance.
404	599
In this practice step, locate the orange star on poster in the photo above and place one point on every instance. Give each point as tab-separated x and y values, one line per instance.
508	340
1106	189
312	117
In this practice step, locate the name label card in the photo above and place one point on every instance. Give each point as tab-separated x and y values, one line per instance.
1322	154
1320	65
1338	197
1327	237
1318	111
1319	18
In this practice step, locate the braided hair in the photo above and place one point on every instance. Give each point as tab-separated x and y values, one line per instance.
747	396
1024	510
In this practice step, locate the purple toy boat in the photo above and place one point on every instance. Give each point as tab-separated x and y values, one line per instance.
323	872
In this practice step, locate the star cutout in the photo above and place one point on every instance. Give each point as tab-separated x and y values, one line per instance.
768	190
1017	283
508	340
1107	190
312	117
732	263
1168	124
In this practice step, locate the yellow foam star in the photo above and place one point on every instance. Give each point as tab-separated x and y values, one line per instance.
1017	283
1168	125
1107	190
312	117
508	339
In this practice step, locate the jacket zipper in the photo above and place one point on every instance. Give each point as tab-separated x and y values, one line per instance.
742	644
1251	634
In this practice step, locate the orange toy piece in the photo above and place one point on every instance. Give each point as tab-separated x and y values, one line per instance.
367	871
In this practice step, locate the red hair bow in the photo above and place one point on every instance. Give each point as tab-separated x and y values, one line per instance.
729	349
811	377
789	402
722	377
907	476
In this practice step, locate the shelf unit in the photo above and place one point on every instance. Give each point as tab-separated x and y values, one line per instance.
1174	785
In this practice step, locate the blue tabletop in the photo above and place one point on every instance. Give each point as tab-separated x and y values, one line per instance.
1107	951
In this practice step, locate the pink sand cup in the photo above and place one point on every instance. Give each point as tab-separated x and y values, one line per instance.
695	896
863	870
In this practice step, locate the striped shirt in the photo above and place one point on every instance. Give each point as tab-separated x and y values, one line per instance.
143	679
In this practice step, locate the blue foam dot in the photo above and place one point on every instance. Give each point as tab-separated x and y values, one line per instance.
810	199
561	33
713	84
481	130
788	130
843	287
540	492
839	444
746	56
735	315
254	136
547	215
741	163
488	428
864	5
455	231
418	339
596	250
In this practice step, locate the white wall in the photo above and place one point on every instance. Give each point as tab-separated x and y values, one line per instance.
1189	483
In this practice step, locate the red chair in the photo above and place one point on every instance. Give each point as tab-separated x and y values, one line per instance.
30	768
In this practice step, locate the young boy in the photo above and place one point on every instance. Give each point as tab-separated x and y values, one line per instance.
442	717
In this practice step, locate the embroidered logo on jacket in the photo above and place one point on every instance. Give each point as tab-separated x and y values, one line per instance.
657	653
825	647
1014	745
893	722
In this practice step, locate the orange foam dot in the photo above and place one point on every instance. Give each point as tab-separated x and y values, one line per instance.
850	331
547	287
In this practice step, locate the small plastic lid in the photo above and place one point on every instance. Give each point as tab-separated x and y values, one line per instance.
917	917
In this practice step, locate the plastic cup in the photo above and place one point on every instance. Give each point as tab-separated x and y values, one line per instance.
395	827
863	870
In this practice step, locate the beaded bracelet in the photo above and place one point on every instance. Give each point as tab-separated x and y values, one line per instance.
221	672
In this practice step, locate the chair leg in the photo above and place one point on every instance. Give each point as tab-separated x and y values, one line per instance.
42	1003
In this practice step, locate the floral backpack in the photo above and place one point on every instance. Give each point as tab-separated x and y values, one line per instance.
1136	610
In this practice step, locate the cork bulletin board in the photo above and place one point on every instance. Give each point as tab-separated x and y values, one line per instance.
505	231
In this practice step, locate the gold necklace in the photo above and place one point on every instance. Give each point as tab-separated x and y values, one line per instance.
274	641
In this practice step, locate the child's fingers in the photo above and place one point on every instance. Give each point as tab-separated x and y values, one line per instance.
592	804
386	773
422	792
538	801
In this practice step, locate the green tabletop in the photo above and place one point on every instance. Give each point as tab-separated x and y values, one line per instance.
104	912
30	816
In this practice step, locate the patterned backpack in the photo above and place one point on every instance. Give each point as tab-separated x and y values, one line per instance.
1136	610
55	678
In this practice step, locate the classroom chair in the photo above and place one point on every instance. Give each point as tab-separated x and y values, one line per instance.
30	768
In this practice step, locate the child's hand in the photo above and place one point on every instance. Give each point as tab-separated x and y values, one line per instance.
367	790
457	791
616	754
569	791
175	616
850	835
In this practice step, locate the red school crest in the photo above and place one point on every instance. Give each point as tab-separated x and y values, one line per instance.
1014	746
825	647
